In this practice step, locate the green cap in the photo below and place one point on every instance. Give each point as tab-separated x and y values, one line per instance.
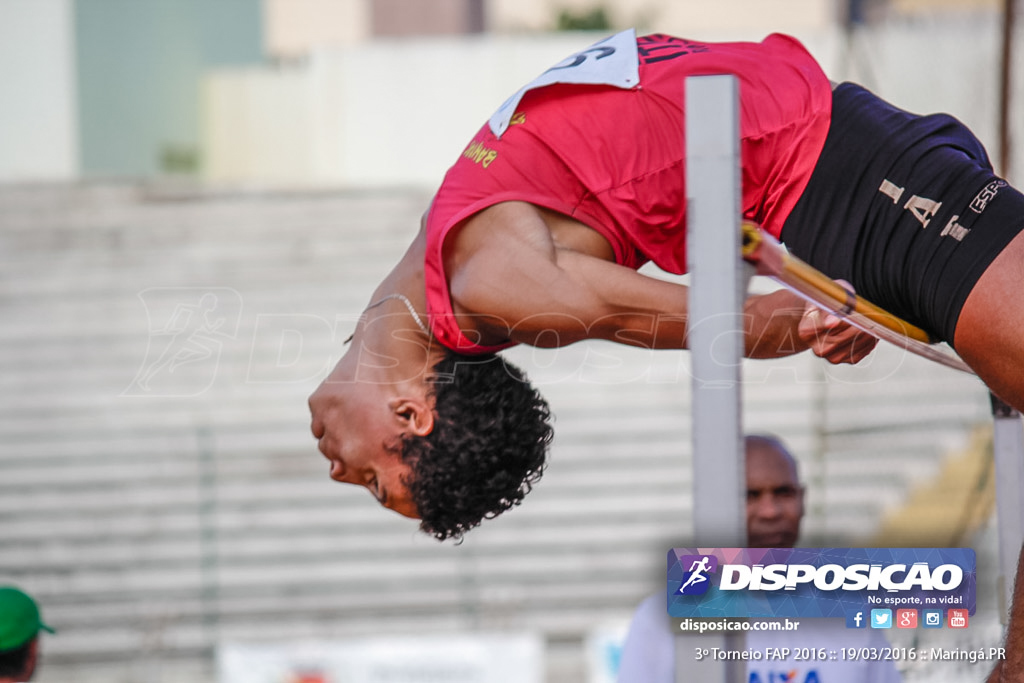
20	621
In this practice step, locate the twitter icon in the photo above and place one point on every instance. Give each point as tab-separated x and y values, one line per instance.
881	618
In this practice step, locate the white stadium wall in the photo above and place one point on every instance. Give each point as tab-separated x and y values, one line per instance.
38	133
392	113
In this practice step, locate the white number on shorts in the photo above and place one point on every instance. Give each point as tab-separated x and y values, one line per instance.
921	207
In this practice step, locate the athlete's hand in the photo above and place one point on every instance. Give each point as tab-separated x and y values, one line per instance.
832	338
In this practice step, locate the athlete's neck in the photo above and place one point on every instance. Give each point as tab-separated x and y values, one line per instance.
392	342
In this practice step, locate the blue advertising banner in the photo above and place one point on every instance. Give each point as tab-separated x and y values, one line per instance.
818	582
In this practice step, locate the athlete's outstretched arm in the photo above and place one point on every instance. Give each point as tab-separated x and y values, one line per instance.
509	280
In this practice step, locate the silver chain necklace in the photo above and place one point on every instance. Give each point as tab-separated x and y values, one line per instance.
408	304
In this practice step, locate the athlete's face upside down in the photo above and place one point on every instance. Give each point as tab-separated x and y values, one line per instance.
353	434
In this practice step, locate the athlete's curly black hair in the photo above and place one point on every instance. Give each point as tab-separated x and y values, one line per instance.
487	448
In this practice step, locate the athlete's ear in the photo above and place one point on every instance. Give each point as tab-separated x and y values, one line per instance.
416	416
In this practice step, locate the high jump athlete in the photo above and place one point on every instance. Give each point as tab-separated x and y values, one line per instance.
537	231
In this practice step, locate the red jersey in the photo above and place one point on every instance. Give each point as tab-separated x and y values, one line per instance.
614	158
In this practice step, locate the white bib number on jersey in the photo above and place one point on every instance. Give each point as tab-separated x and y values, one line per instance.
612	61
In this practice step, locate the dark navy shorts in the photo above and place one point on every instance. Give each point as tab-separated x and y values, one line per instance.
904	207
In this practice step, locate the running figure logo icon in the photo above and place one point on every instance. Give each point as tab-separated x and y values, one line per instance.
188	329
696	581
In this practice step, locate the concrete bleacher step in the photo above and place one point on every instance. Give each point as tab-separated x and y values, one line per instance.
950	507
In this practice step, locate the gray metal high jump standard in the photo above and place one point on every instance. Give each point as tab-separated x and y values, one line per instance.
716	339
716	342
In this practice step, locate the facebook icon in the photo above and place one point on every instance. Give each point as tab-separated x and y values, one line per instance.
856	620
